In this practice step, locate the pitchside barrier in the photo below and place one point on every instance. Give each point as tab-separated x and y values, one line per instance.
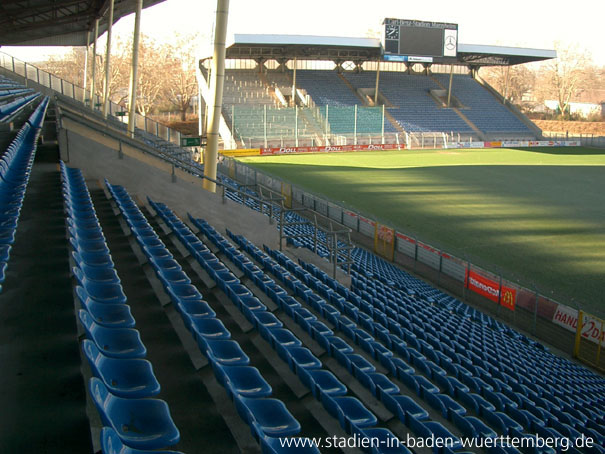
492	292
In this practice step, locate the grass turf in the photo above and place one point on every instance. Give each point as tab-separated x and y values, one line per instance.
536	215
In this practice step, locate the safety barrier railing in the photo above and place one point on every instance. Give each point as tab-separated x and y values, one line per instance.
43	78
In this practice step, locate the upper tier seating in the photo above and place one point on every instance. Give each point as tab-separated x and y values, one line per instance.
482	108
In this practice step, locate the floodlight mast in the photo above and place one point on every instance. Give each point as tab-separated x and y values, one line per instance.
217	80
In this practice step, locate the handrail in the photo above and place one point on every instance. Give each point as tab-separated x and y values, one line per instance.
58	85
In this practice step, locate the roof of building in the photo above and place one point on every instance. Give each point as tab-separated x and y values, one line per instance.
57	22
309	47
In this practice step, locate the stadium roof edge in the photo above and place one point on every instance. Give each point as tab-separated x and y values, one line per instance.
57	23
337	48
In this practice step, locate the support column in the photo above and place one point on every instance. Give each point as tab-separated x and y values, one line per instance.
449	90
94	65
217	80
132	95
377	81
107	60
85	81
506	82
293	97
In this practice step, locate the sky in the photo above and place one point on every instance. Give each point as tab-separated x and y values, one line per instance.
522	23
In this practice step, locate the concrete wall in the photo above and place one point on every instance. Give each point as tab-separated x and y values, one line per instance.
103	156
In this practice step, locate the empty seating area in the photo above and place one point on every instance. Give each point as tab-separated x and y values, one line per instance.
15	169
192	339
123	382
14	98
244	87
415	109
482	108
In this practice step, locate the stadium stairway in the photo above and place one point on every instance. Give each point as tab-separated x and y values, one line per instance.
42	393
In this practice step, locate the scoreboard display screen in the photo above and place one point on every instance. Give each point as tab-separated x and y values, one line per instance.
419	38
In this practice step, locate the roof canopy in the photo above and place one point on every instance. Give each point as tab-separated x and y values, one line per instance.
57	22
339	49
288	47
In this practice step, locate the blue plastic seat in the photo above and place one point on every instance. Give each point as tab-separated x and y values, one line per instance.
164	264
377	383
105	314
356	362
96	274
321	381
405	407
171	277
191	309
206	329
302	358
113	342
112	444
99	259
243	380
226	353
283	337
104	293
271	416
130	378
266	319
349	411
183	292
140	423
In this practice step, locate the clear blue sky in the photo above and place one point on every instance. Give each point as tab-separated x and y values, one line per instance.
536	24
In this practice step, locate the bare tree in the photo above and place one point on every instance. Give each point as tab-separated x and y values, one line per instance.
181	83
566	74
521	81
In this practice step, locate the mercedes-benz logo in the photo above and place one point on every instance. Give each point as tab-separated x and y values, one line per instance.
450	43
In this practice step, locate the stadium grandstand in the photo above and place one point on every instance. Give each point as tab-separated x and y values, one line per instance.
142	313
342	95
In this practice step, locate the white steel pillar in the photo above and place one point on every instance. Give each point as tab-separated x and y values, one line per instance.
132	95
377	81
449	90
293	97
85	81
107	60
217	80
94	65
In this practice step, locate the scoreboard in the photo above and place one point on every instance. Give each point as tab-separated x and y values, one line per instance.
413	40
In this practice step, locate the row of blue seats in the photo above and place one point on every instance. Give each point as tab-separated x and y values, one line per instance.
11	109
268	417
386	350
549	399
15	168
483	400
534	368
353	416
123	381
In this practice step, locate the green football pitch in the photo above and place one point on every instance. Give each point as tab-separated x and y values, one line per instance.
536	215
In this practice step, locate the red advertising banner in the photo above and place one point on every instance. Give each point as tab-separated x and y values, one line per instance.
401	236
490	289
330	149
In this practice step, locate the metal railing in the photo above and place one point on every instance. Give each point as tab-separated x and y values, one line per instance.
42	78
